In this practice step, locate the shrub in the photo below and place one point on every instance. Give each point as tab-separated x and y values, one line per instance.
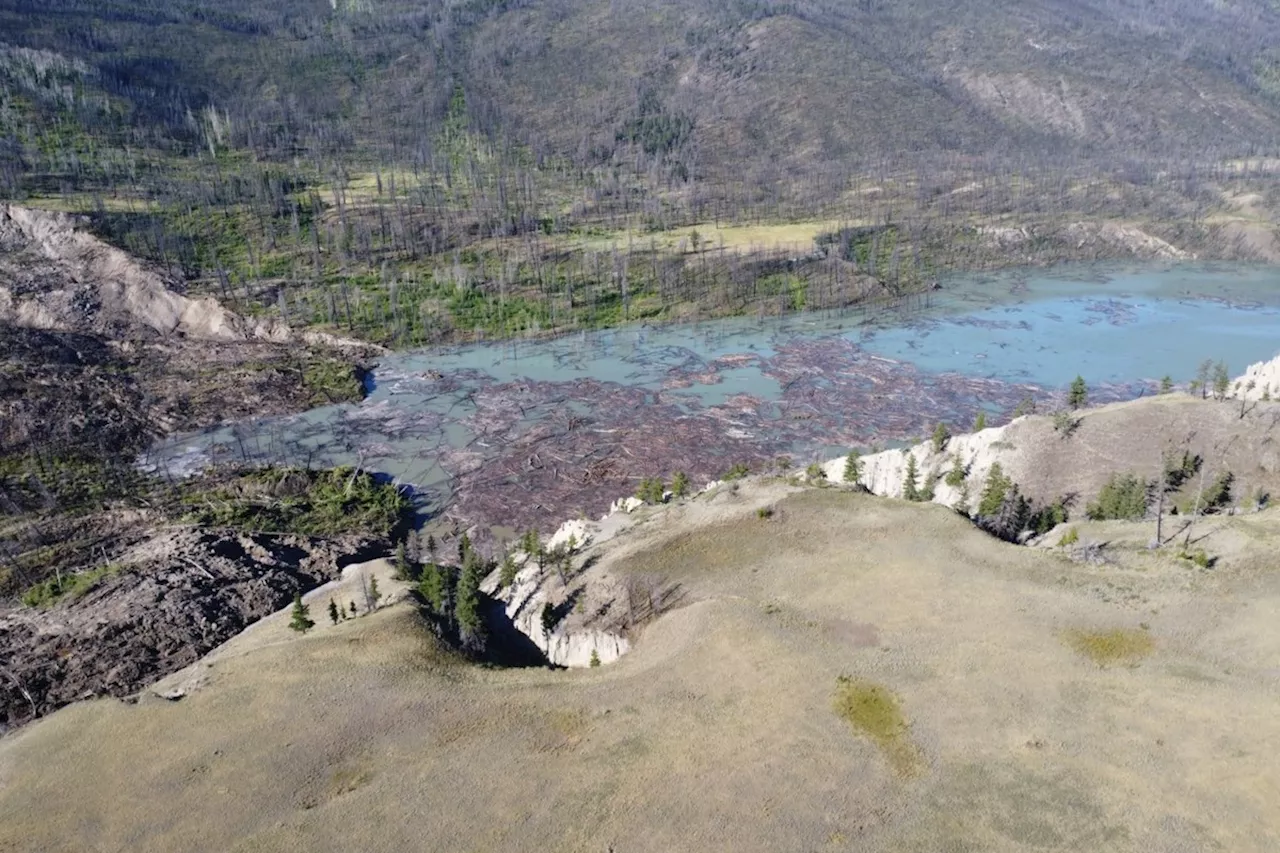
1218	496
1178	470
1065	423
1198	556
737	472
1071	537
652	490
765	512
1124	497
1049	517
815	474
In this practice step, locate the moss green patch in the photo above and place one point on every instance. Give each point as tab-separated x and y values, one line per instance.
292	500
69	586
1121	645
873	711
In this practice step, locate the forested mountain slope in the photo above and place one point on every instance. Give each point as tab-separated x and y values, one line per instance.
751	89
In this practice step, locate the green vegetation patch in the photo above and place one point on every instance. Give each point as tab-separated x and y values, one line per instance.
68	587
293	500
874	711
1120	645
330	380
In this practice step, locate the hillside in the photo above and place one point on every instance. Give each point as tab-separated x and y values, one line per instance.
850	673
439	171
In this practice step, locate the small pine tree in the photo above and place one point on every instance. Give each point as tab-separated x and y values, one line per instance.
1078	395
333	611
1203	375
994	491
467	605
1266	393
910	482
941	435
956	476
981	423
508	574
354	612
464	548
595	658
432	587
374	594
431	546
1166	385
300	617
1221	380
680	484
930	489
402	563
852	467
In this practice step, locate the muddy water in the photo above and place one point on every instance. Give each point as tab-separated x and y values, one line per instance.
453	422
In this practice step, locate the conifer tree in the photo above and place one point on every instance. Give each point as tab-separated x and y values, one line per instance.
508	575
910	484
374	594
994	492
1166	384
941	435
402	563
300	617
431	586
467	605
852	467
680	484
981	423
333	611
1078	396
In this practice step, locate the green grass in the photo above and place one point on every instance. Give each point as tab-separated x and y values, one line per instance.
874	711
68	587
329	380
1105	648
292	500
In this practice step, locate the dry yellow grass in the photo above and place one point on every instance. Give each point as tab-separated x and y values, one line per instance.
718	732
790	236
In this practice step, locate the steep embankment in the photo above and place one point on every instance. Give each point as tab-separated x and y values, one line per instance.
1048	463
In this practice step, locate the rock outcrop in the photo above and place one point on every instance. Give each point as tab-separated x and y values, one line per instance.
1260	381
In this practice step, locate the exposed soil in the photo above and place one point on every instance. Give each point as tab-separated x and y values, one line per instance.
99	356
174	597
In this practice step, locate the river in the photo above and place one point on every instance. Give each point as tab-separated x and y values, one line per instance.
507	435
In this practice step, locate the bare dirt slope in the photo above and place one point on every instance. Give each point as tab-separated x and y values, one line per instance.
719	731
